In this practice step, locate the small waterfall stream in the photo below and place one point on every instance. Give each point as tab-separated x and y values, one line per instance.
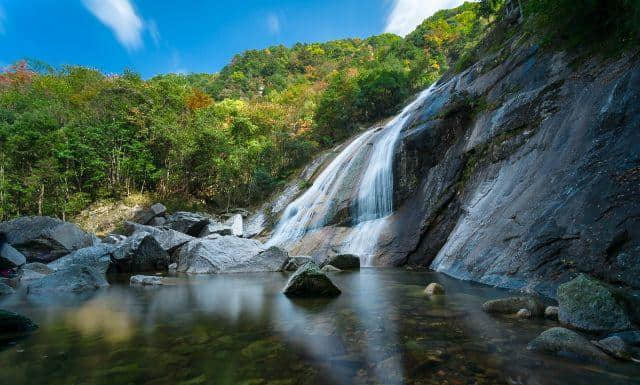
373	202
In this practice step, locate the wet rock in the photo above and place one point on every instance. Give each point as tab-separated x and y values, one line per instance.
73	279
169	240
140	252
187	223
512	305
590	305
434	289
216	228
34	270
615	346
146	280
236	224
551	312
228	254
45	239
567	343
330	269
343	262
5	289
97	257
524	314
294	263
11	322
10	257
309	281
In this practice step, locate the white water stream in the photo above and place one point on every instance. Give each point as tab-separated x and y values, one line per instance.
374	201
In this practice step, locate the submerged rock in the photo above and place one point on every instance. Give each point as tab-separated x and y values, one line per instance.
567	343
140	252
73	279
146	280
11	322
309	281
343	262
524	314
97	257
45	239
434	289
10	257
513	305
590	305
294	263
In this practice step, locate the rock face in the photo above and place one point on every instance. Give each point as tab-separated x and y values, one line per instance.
567	343
140	252
44	239
228	254
590	305
74	279
513	305
309	281
10	257
343	262
97	257
15	323
168	239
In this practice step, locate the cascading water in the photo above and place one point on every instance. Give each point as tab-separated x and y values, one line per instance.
374	201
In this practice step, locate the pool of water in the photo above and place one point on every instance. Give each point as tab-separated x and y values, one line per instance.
240	329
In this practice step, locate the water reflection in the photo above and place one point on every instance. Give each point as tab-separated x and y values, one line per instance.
237	329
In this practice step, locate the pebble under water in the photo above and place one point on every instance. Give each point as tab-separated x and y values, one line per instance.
240	329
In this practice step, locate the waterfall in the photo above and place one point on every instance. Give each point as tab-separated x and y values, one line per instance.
374	200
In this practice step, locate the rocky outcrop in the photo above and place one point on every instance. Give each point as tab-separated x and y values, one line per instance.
228	254
309	281
74	279
566	343
11	322
45	239
139	253
590	305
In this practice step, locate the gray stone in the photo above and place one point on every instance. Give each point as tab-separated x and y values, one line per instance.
98	257
74	279
590	305
146	280
294	263
310	281
34	270
5	289
434	289
169	240
330	269
236	224
551	312
566	343
114	239
158	209
343	261
524	314
158	221
15	323
216	228
44	239
139	253
512	305
615	346
187	223
10	257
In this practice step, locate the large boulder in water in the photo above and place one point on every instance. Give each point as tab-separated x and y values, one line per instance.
169	239
139	253
343	262
9	257
44	239
97	257
590	305
567	343
11	322
229	254
74	279
310	281
187	223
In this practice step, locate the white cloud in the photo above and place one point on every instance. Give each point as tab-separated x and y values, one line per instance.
152	27
121	18
273	24
406	15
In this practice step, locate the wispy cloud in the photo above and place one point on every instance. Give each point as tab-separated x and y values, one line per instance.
152	27
406	15
3	18
121	17
273	23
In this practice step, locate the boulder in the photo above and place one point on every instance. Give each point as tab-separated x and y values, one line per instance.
15	323
9	257
310	281
590	305
434	289
169	240
330	269
146	280
140	252
187	223
343	262
158	221
114	239
34	270
513	305
5	289
228	254
98	257
551	312
74	279
216	228
44	239
567	343
147	216
624	345
236	224
523	314
158	209
294	263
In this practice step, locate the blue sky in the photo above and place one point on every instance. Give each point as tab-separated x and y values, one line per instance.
161	36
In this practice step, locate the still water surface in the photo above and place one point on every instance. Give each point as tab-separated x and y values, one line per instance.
239	329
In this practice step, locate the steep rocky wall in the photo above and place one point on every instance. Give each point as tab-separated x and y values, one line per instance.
523	170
